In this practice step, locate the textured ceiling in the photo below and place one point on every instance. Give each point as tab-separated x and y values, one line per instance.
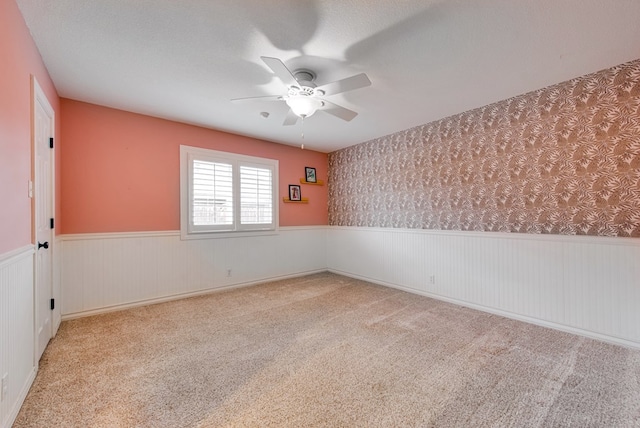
184	60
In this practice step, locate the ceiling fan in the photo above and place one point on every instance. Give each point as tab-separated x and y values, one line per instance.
304	97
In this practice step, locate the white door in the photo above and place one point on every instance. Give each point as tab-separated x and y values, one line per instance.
43	124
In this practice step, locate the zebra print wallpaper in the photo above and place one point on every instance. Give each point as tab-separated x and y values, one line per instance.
562	160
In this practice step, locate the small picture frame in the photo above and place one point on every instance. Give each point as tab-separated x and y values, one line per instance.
310	174
294	192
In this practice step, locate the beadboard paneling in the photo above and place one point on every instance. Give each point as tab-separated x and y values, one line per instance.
17	340
586	285
102	272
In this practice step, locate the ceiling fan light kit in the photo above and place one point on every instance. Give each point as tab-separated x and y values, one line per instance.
302	104
304	97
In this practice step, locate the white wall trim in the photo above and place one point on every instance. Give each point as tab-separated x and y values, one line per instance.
506	314
147	302
17	254
57	285
294	228
581	239
115	235
162	233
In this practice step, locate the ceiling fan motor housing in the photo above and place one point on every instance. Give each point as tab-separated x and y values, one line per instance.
305	77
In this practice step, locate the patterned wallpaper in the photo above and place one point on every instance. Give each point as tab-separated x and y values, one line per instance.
562	160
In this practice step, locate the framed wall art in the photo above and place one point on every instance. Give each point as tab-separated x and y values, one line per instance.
294	192
310	174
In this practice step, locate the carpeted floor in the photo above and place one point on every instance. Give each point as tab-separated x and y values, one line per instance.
326	350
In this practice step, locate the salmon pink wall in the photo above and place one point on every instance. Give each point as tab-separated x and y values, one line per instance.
20	60
121	170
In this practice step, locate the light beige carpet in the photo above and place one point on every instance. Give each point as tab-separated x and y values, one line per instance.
326	350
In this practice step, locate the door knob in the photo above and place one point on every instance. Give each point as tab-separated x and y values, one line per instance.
45	245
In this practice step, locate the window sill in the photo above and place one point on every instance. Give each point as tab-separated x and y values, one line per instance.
227	234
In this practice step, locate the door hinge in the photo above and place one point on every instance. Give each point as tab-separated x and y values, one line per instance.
51	143
51	223
53	304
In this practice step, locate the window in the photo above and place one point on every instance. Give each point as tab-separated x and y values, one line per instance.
226	192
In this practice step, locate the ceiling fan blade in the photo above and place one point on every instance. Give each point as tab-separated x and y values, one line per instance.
338	111
349	84
291	118
280	70
263	98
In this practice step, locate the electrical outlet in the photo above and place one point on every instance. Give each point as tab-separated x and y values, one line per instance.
4	386
228	272
432	279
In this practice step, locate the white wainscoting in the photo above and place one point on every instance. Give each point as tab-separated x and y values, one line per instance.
109	271
17	342
585	285
56	316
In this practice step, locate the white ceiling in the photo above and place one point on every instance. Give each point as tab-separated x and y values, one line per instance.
184	60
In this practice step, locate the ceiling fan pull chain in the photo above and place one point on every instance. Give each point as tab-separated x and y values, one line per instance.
302	133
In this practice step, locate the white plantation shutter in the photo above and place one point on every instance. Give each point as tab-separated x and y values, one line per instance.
226	192
212	193
256	195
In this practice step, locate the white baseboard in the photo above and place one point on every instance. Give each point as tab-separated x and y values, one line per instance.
582	285
174	297
506	314
13	414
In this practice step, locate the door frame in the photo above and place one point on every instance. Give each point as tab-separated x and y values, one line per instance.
39	97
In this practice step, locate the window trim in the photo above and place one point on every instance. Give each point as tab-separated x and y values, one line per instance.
187	155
